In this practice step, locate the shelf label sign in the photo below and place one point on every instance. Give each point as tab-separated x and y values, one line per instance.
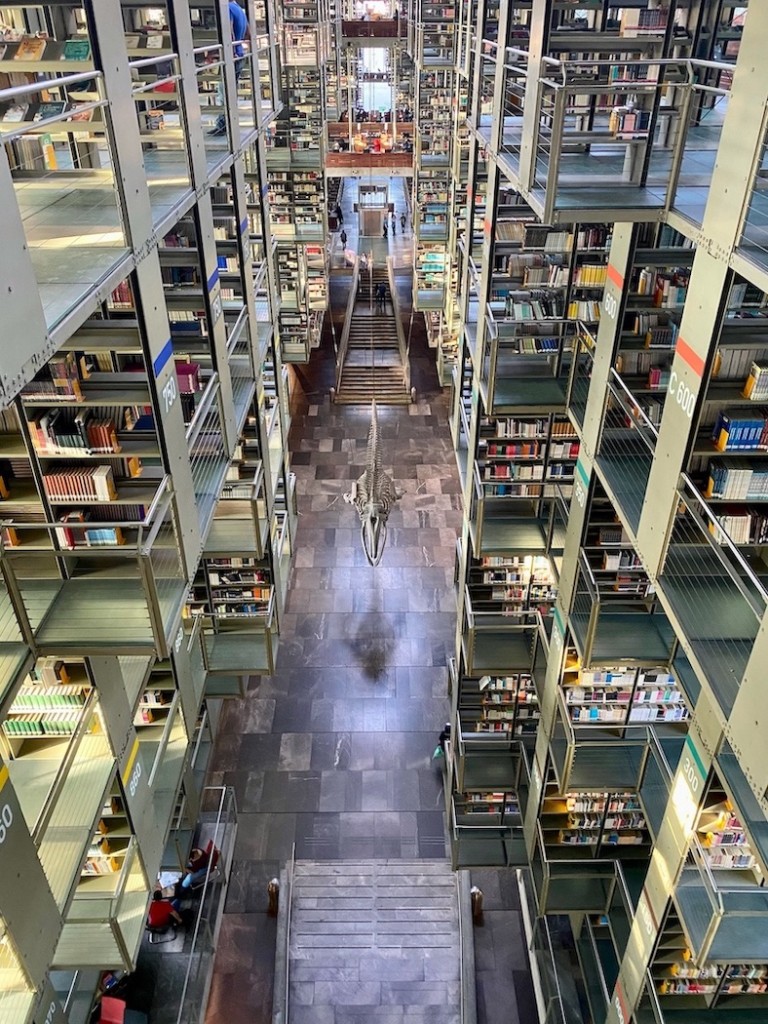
581	484
683	393
215	296
558	631
133	772
620	1004
692	768
7	816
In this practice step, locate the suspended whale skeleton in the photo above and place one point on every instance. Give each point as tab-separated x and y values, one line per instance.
373	495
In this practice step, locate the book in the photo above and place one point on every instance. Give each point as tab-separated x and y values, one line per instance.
51	109
76	49
30	48
15	113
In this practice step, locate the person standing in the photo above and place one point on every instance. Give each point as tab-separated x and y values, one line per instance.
240	31
339	215
384	231
403	222
393	222
343	237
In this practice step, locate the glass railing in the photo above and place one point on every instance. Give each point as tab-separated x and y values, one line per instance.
241	367
565	886
66	809
170	751
626	449
132	567
713	593
525	363
59	140
163	131
105	921
692	159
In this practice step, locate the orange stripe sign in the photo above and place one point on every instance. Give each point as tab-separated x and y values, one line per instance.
615	277
688	356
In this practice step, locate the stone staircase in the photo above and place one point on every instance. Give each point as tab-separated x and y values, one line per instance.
374	941
372	368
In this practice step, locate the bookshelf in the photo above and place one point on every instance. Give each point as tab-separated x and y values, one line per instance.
499	705
588	824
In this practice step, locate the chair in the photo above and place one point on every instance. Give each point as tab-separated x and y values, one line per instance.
162	933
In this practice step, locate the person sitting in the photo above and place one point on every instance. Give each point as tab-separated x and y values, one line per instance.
162	916
197	867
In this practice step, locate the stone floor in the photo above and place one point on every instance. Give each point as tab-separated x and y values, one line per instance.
332	755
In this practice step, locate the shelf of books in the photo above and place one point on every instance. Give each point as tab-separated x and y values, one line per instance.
593	824
625	695
499	705
710	954
436	34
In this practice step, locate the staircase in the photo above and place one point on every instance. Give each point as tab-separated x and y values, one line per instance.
373	939
372	366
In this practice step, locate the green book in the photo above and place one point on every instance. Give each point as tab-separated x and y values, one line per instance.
76	49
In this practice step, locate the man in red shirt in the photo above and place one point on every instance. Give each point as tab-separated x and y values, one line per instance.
162	913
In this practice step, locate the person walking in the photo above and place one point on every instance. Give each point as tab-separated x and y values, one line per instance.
339	215
240	29
384	231
343	237
403	222
381	297
393	222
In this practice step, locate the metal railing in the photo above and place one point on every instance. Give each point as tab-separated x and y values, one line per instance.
401	340
628	445
754	228
703	577
282	977
220	826
580	376
341	353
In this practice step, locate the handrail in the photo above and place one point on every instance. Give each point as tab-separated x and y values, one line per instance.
341	354
401	340
289	914
632	408
226	816
687	487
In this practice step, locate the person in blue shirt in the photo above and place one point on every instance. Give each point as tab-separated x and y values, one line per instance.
238	24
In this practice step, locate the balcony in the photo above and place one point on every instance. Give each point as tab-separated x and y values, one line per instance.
495	643
68	196
713	594
381	28
615	138
616	620
589	757
67	583
106	919
238	644
488	802
525	363
563	886
627	447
